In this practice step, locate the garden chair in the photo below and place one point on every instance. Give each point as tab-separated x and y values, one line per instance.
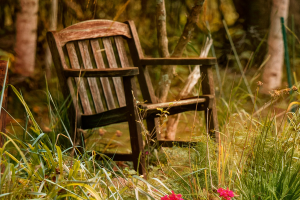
88	53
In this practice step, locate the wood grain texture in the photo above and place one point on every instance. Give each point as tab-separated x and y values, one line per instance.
178	61
200	104
87	64
79	81
129	71
112	62
104	81
166	105
208	88
121	51
93	29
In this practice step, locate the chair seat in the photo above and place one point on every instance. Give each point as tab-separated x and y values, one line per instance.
189	104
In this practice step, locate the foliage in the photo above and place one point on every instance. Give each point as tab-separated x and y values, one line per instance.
256	159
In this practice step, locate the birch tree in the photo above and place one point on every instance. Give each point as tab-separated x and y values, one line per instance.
26	37
272	74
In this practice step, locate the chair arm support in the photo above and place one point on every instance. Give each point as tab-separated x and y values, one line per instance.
178	61
105	72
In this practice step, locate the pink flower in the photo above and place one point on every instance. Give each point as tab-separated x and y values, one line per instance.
173	196
226	194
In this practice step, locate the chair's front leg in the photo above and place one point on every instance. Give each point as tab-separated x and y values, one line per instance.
135	130
211	113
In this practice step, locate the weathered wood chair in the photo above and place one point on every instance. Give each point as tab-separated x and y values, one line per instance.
96	49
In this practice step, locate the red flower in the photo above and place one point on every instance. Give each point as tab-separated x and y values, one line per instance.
172	196
226	194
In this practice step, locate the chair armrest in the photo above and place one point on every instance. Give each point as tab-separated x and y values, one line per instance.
178	61
105	72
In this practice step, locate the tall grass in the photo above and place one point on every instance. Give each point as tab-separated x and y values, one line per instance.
257	158
41	167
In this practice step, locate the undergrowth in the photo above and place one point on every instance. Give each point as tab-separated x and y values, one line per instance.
257	158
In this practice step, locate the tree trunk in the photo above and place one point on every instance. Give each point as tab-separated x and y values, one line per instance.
162	38
26	35
52	27
167	71
273	70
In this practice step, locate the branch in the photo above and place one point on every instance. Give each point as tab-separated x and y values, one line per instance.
75	8
161	29
195	75
188	28
167	72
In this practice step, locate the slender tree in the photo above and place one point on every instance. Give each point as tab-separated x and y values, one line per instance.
26	37
273	70
52	27
167	71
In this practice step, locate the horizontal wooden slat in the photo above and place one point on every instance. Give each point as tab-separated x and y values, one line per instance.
178	61
201	103
93	29
166	105
108	72
105	118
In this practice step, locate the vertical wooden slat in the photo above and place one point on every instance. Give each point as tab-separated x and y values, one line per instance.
121	51
137	54
3	65
81	87
113	64
87	64
104	81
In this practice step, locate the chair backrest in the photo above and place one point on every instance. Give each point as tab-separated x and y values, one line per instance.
90	45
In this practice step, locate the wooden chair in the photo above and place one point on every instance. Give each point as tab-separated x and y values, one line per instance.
95	49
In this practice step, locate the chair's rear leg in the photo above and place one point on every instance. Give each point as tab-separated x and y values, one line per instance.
210	114
138	156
